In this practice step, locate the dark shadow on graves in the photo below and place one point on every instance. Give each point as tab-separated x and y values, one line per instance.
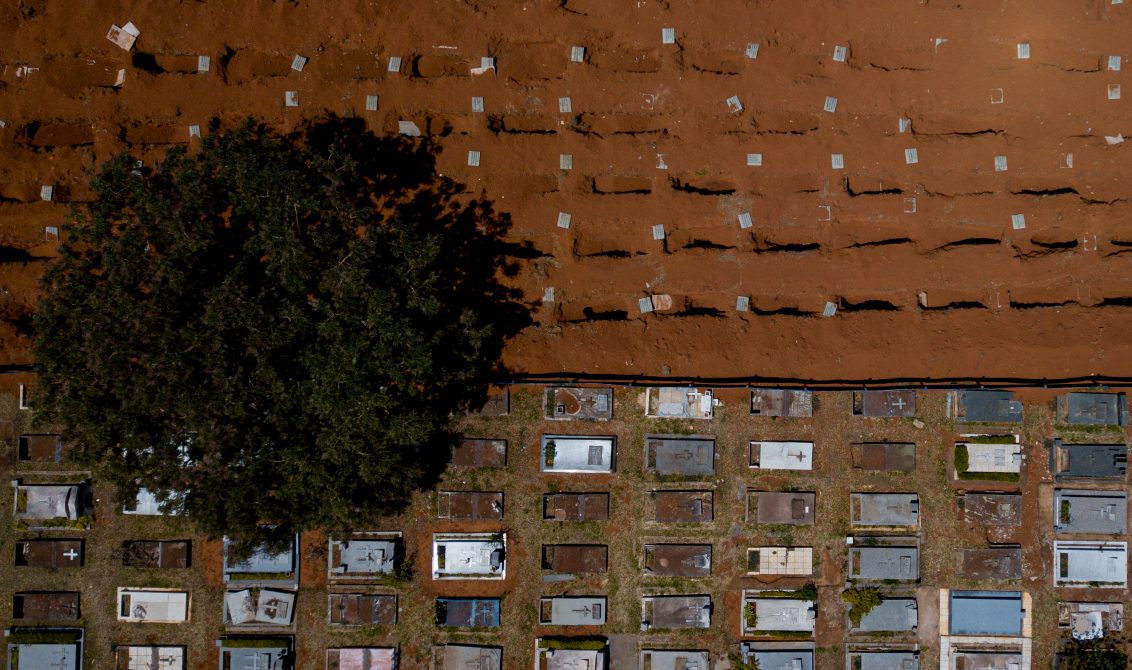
478	260
304	413
146	63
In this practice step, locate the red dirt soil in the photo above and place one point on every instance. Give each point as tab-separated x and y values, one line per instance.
931	279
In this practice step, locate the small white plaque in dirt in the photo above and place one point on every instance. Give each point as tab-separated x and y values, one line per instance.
911	156
905	125
668	35
124	37
1114	91
204	63
548	294
742	303
734	105
291	98
1114	63
745	220
997	97
564	220
1018	221
298	63
1067	162
46	192
565	162
409	128
394	64
1024	51
909	205
486	63
829	310
194	131
577	54
565	105
826	213
645	304
371	103
473	159
837	161
658	232
830	104
754	160
753	50
477	104
1000	163
840	53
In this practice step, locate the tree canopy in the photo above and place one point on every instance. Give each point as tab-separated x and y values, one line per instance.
278	327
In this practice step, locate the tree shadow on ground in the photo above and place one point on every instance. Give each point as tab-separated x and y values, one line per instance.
473	238
280	327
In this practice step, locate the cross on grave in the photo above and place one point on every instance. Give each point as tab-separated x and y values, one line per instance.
898	403
71	554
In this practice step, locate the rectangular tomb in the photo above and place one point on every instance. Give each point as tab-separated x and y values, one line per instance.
579	403
572	611
884	456
885	403
782	402
884	510
678	560
577	453
575	506
776	507
772	455
157	554
480	453
681	506
992	563
469	505
575	558
361	609
687	456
